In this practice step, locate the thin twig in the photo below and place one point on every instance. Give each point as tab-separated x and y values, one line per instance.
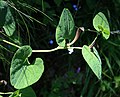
11	43
79	30
1	93
57	48
92	44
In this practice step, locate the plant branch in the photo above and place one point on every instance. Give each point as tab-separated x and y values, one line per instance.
92	44
57	48
11	43
1	93
51	50
79	30
91	30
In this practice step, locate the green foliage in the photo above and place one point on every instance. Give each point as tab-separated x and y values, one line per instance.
101	24
36	21
66	82
117	81
65	28
22	73
105	85
6	18
26	92
93	60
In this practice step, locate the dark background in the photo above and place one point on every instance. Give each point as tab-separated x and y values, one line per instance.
62	77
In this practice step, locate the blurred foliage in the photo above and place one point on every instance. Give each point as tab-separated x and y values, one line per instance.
65	75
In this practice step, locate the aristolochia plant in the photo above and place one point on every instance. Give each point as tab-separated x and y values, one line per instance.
23	73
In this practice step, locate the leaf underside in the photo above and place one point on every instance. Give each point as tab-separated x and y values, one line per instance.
92	60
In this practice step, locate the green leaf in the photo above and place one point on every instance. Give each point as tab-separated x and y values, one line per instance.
9	25
105	85
26	92
3	11
16	94
6	19
58	2
117	81
1	96
101	24
93	60
65	28
9	28
22	73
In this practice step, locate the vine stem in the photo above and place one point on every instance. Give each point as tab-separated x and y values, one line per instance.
92	44
91	30
1	93
11	43
57	48
51	50
79	30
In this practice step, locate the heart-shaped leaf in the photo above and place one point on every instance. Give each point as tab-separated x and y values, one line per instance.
101	24
26	92
22	73
93	60
6	19
65	28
